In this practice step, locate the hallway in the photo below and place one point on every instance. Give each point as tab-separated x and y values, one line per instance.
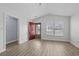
41	48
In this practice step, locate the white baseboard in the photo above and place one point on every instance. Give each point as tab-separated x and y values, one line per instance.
11	41
2	50
74	43
57	40
21	42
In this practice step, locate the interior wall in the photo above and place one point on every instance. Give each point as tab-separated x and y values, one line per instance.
75	29
13	11
24	12
2	48
48	20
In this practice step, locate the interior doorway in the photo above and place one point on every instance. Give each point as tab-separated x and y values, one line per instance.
34	30
11	30
38	30
31	28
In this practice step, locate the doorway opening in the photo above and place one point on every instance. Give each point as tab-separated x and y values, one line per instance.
38	30
11	31
34	30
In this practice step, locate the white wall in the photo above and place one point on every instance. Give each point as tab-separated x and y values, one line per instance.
1	33
75	29
24	12
48	20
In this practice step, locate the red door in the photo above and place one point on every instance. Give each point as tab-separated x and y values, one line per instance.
31	30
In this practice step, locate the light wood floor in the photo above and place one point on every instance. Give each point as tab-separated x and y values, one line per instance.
41	48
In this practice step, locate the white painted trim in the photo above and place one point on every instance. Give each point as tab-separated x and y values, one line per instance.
57	40
20	42
62	40
11	41
74	43
2	50
5	14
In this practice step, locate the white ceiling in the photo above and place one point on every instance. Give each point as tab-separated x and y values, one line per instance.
64	9
34	10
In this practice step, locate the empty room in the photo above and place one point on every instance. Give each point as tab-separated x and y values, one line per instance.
39	29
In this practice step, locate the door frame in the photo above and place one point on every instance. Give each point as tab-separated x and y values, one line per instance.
35	30
4	27
29	36
40	28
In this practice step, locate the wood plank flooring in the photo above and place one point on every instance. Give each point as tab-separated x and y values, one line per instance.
41	48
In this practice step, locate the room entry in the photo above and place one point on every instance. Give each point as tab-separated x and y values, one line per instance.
31	30
34	30
11	29
38	30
